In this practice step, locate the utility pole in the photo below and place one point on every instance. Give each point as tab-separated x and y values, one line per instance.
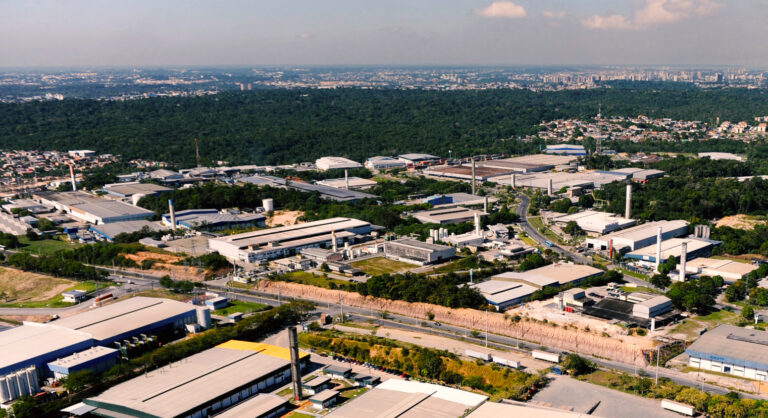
658	354
486	327
341	307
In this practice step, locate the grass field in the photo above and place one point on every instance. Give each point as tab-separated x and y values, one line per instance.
643	289
308	278
380	265
163	293
633	274
45	246
692	325
242	307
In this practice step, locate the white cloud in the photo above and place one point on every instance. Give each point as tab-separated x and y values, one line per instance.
655	12
551	14
502	9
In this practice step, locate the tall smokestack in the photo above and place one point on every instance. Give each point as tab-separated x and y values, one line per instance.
346	179
333	241
549	187
658	249
514	181
477	224
485	204
683	259
293	347
473	176
173	214
628	208
72	176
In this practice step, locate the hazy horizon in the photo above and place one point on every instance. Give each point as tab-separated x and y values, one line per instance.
398	33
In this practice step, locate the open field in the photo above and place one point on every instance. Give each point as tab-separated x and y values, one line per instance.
163	264
163	293
31	290
693	325
46	246
630	289
284	217
380	265
746	222
303	277
242	307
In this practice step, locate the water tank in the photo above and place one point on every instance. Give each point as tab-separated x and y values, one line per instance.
21	378
32	378
204	317
268	204
13	386
136	197
5	395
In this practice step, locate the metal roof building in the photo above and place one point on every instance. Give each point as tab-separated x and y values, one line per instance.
213	219
288	240
332	163
383	163
454	215
263	405
124	190
594	221
729	270
413	251
200	385
96	359
130	317
326	192
409	399
37	344
639	236
566	149
355	183
733	350
672	247
111	230
91	209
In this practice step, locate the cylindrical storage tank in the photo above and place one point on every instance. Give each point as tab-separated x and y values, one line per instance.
268	204
204	317
24	388
34	386
13	386
5	396
135	198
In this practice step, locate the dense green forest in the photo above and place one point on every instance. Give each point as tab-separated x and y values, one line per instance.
283	126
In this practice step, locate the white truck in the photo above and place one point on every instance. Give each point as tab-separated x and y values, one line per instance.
678	407
543	355
478	355
504	362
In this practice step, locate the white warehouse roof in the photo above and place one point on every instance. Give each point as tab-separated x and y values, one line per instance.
330	163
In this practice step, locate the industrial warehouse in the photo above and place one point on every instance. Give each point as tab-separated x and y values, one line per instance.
444	216
87	208
212	219
639	236
732	350
594	221
326	192
36	345
289	240
417	252
202	384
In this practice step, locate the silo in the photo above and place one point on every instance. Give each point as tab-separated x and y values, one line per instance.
204	317
13	386
268	204
32	378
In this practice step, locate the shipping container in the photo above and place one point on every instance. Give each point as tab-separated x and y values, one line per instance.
543	355
478	355
505	362
678	407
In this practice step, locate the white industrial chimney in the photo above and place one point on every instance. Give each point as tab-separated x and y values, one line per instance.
173	214
514	181
346	180
72	176
477	225
473	176
658	249
485	204
549	187
683	259
628	208
293	347
333	241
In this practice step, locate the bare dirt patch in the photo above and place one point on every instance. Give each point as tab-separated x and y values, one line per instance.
284	217
21	286
745	222
163	264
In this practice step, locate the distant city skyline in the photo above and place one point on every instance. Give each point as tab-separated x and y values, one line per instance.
81	33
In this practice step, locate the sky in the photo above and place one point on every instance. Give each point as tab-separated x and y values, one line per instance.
51	33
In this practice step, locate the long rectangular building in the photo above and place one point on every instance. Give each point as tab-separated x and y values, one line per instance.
92	209
594	221
289	240
413	251
202	385
639	236
732	350
672	247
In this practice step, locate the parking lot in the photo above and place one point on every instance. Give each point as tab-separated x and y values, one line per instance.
564	392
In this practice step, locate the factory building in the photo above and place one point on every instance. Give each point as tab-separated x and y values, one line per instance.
263	405
641	175
594	221
566	149
108	232
639	236
647	305
417	252
88	208
444	216
409	399
82	153
354	183
212	219
95	359
333	163
672	247
500	170
383	163
416	159
202	385
289	240
512	288
34	344
326	192
128	190
729	270
732	350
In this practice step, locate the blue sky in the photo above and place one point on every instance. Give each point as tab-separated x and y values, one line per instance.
393	32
